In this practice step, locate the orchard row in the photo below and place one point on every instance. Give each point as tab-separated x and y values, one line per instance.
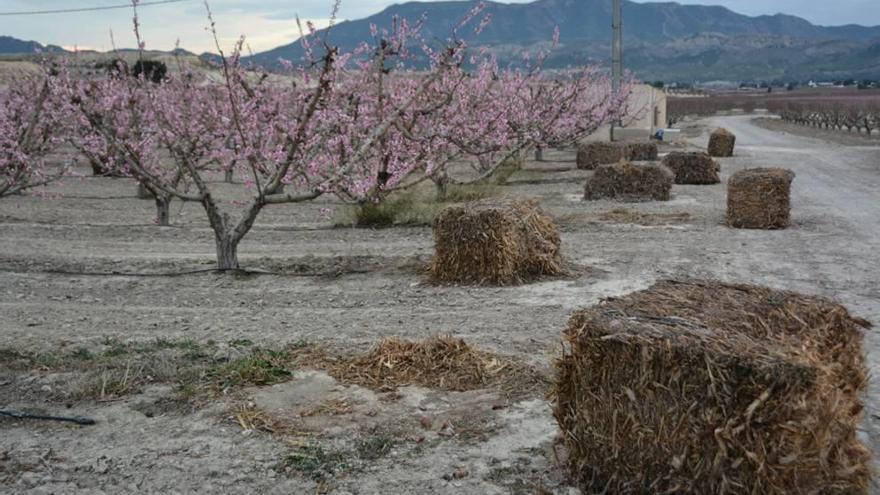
355	125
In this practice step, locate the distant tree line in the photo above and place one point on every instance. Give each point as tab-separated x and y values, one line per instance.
850	110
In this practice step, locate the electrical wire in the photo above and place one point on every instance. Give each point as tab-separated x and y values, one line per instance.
91	9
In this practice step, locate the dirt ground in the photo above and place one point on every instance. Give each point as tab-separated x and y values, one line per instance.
82	270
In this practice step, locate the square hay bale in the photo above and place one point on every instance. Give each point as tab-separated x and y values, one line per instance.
703	387
629	182
592	155
493	243
642	152
760	198
721	143
693	168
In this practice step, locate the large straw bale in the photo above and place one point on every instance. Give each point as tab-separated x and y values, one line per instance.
592	155
642	152
702	387
721	143
487	242
760	198
693	168
629	182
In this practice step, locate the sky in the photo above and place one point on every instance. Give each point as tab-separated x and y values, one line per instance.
269	23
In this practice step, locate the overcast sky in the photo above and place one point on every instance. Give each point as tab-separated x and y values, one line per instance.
268	23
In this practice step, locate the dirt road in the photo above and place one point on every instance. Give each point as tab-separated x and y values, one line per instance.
370	286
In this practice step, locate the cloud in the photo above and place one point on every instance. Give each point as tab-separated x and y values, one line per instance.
269	23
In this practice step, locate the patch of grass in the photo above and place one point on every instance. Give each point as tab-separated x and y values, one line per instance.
382	214
263	367
126	368
374	447
470	192
525	176
314	462
114	382
475	428
323	464
506	170
410	208
240	343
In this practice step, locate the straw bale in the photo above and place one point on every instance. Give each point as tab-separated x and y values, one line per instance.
704	387
693	168
721	143
629	182
487	242
642	152
760	198
592	155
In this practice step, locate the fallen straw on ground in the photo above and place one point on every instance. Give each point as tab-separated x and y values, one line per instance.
445	363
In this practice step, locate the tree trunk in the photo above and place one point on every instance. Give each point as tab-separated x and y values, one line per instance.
227	252
98	169
441	181
227	176
509	166
539	154
163	209
143	192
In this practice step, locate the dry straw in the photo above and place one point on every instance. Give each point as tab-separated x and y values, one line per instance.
628	182
760	198
640	152
704	387
445	363
592	155
693	168
721	143
495	243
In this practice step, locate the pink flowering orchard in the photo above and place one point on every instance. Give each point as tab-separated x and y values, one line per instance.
329	131
494	114
31	119
355	125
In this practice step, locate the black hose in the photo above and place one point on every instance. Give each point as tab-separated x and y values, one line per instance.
74	419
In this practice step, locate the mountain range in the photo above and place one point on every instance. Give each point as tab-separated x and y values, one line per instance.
10	45
663	41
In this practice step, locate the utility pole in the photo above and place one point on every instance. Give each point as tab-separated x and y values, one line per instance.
616	51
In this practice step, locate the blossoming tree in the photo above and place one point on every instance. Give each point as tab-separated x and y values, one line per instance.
327	132
30	129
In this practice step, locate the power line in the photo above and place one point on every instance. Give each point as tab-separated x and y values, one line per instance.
91	9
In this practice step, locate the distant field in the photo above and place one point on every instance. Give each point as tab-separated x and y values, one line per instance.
847	109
